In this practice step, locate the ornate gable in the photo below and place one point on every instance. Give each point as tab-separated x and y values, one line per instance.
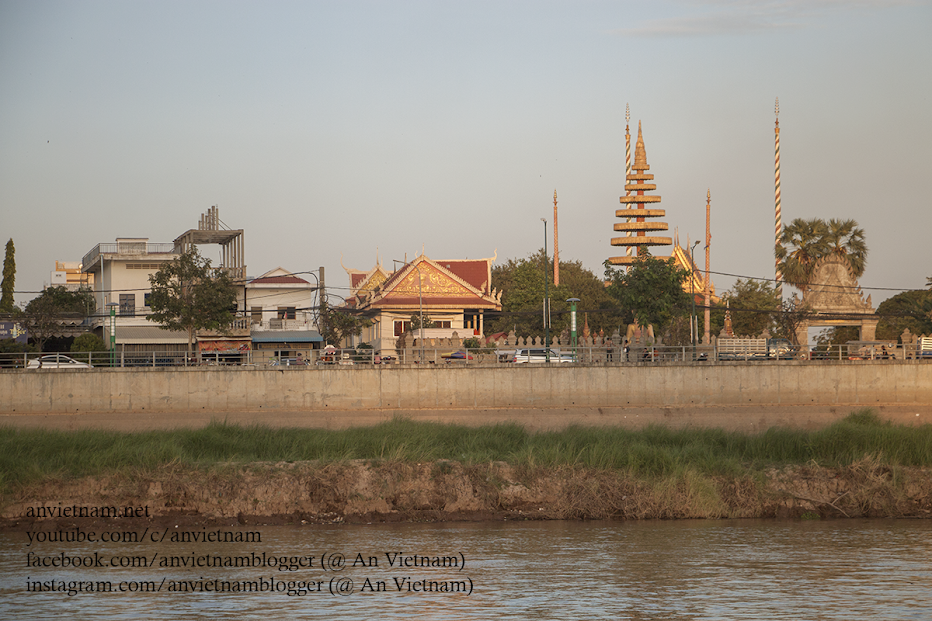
434	280
834	288
433	283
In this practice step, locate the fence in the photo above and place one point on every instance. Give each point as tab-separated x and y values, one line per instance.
433	355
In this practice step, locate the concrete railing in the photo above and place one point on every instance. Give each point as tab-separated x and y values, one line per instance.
388	387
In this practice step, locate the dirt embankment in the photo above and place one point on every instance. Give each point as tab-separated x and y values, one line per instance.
374	491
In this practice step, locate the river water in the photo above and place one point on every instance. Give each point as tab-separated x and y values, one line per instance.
704	569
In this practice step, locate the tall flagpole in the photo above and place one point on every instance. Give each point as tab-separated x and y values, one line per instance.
556	244
706	336
778	226
630	250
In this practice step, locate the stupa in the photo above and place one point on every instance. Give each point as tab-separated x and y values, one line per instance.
638	209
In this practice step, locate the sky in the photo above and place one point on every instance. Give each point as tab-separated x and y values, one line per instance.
344	132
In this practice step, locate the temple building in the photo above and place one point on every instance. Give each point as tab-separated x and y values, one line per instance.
637	209
641	234
454	293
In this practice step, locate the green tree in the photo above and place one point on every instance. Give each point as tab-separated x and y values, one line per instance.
910	310
8	285
846	238
521	282
44	313
335	325
804	242
416	321
754	305
790	318
86	344
651	291
189	295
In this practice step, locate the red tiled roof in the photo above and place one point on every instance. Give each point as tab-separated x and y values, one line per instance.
356	279
279	280
408	301
475	273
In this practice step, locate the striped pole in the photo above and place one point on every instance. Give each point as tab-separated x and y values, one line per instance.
778	225
556	244
707	315
630	249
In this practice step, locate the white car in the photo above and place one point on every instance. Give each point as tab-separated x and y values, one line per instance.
56	361
539	356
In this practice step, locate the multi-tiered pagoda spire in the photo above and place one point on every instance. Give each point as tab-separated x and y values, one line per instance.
637	209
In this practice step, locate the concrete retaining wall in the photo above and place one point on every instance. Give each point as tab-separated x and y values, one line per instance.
240	389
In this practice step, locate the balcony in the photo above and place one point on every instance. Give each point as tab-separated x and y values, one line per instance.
283	324
132	248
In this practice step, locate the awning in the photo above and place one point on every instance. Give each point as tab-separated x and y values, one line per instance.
148	335
286	336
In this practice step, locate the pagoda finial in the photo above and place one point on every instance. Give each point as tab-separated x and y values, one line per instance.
776	110
640	154
627	116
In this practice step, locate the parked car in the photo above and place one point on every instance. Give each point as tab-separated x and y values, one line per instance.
56	361
288	362
539	356
456	356
780	349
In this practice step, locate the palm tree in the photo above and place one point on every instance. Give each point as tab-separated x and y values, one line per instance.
802	243
846	238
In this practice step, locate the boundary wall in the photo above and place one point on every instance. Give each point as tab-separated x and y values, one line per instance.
799	394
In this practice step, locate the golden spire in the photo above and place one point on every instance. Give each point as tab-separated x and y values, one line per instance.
640	154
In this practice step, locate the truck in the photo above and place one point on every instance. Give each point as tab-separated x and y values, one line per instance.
754	349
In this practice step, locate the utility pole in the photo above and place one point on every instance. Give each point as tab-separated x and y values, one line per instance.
693	327
546	296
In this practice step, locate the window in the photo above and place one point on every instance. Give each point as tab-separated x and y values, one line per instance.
256	313
145	299
286	312
127	304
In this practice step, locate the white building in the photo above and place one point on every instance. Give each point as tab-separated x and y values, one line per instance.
120	274
282	310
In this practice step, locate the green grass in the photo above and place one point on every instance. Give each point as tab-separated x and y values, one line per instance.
28	455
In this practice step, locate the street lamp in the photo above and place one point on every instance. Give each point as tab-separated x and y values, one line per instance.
113	306
546	296
692	288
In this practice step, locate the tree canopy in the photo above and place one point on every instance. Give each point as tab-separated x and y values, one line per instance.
189	295
754	305
521	282
336	325
650	291
804	242
8	285
908	310
45	312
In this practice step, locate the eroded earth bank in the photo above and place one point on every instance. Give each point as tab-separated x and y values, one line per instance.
363	491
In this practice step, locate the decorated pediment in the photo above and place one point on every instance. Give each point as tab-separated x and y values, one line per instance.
428	279
439	284
834	288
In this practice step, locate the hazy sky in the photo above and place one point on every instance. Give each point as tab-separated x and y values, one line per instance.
339	128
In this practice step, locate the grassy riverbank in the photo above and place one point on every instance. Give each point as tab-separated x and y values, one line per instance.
592	471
